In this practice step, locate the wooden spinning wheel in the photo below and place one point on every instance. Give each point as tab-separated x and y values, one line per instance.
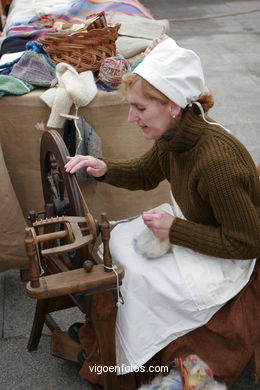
61	191
59	245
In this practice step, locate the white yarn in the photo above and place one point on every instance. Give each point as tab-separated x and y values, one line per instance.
215	386
150	246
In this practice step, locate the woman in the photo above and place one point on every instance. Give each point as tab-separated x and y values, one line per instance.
213	226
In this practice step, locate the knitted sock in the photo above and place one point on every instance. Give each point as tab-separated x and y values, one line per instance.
12	86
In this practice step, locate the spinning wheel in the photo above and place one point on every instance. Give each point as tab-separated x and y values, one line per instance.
61	191
57	247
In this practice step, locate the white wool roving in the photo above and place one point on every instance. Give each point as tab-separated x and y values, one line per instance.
150	246
215	386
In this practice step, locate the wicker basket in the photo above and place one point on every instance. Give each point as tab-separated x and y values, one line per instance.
83	50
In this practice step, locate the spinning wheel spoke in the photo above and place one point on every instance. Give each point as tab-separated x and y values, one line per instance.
61	186
56	187
52	185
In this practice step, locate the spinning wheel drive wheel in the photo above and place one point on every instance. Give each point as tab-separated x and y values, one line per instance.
61	190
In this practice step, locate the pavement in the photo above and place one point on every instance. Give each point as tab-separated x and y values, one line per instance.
229	48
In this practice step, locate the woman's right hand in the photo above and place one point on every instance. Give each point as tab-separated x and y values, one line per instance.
94	166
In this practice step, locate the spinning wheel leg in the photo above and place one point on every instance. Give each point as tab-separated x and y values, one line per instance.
42	315
38	322
105	333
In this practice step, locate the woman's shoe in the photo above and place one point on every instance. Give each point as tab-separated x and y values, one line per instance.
73	331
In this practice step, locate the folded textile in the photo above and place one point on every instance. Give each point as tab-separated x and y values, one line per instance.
12	86
139	27
12	45
136	33
19	16
29	32
10	58
6	67
73	88
34	68
81	8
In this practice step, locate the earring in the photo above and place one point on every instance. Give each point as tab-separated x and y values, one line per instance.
171	111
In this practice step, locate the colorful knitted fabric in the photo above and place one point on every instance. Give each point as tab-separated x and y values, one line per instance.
12	86
34	68
111	71
198	376
8	66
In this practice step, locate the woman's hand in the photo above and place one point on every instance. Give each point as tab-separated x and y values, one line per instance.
94	166
159	222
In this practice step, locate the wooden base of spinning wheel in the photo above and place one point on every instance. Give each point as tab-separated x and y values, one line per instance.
57	247
63	347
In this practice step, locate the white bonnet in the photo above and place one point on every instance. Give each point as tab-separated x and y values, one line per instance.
175	71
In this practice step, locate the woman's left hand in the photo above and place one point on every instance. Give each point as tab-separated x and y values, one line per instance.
159	222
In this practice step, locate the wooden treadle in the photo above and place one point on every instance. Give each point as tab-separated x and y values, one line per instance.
63	347
75	281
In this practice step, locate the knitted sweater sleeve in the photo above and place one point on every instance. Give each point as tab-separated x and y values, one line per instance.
142	173
231	188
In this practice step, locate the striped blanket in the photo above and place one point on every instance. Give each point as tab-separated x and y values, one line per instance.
80	9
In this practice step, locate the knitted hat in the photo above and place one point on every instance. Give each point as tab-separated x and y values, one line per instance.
174	71
35	68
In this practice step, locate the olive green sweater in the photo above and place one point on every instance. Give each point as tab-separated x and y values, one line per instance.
214	181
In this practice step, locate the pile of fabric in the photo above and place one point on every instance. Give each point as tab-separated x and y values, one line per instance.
28	66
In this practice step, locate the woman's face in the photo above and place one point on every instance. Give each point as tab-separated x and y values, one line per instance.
154	118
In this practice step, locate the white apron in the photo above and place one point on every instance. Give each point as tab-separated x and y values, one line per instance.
167	297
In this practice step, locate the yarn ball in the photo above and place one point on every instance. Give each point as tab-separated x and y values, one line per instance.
112	70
